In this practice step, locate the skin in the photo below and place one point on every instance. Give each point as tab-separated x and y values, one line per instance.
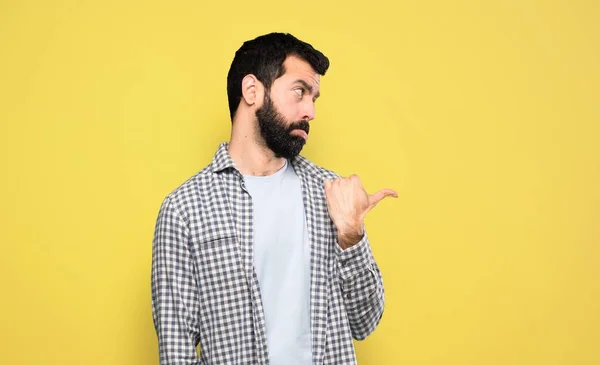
294	95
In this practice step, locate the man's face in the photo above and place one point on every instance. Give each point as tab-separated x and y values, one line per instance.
283	118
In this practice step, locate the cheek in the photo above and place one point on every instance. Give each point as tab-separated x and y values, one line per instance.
288	108
291	110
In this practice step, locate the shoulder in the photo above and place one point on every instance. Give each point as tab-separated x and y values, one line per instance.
189	195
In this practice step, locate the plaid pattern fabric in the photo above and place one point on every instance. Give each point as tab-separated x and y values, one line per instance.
205	289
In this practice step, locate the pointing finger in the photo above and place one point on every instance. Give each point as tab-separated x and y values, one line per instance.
378	196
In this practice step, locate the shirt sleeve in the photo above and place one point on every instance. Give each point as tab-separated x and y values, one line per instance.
175	298
362	287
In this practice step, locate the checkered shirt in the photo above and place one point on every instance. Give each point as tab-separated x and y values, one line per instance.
205	288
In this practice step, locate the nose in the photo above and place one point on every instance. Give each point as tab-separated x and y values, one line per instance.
308	111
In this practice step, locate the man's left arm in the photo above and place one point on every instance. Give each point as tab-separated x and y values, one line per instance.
362	285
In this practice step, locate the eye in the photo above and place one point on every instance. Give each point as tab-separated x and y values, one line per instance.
299	91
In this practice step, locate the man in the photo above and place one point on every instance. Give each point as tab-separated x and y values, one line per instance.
261	258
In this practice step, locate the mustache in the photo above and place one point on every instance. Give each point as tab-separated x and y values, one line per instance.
303	125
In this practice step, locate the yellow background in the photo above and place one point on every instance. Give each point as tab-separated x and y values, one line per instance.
483	115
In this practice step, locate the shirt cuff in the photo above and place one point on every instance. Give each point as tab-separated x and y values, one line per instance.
353	260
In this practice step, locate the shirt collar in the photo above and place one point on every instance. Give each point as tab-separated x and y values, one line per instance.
222	160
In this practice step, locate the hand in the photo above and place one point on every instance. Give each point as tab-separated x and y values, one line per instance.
348	204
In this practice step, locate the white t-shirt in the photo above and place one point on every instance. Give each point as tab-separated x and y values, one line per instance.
282	262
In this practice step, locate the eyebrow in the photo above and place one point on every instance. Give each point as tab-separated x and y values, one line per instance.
308	87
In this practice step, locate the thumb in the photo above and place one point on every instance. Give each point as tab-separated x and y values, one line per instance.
378	196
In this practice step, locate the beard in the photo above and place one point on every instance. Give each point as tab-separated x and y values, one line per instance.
276	132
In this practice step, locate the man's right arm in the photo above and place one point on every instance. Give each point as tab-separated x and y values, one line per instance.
175	297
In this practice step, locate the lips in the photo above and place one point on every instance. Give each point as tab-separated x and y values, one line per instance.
300	133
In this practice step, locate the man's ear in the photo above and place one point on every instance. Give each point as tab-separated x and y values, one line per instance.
252	89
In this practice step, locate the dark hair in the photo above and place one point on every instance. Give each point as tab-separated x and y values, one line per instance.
264	57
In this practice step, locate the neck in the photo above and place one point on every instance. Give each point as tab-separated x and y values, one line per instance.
249	152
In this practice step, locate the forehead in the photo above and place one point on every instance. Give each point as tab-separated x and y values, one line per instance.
297	68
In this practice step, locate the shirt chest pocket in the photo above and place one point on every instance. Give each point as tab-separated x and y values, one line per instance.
220	268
